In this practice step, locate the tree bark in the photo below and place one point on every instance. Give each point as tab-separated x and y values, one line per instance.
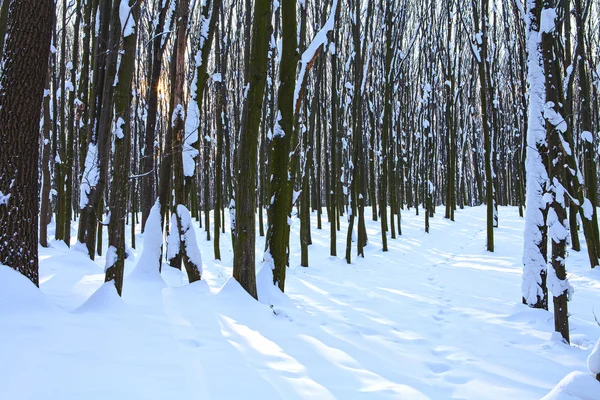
25	67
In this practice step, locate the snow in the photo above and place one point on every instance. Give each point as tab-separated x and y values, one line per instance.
587	136
548	20
119	126
173	240
4	198
558	286
111	257
436	317
189	237
148	264
204	28
533	261
91	175
556	120
192	124
126	18
593	361
588	209
177	114
103	300
575	386
319	40
19	295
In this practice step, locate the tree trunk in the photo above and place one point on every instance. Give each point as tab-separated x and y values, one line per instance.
246	166
116	253
25	68
148	164
556	127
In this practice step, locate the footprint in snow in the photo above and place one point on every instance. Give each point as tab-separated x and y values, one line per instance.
438	367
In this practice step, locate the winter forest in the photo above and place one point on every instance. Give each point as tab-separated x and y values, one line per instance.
299	199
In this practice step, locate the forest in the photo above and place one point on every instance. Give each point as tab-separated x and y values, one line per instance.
224	143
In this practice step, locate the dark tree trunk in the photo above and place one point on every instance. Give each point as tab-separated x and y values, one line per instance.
557	223
25	68
101	122
333	151
246	166
116	253
148	164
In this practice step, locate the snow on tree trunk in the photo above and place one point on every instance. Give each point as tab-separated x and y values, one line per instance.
192	124
149	263
192	259
559	152
173	239
533	287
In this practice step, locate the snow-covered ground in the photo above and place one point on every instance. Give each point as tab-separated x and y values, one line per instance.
437	317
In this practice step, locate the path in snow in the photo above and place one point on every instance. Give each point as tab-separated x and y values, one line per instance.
436	317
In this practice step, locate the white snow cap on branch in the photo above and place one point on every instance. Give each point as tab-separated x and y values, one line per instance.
319	40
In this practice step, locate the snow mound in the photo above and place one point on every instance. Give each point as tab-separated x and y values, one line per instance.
575	386
193	289
78	246
233	291
269	294
148	265
173	276
18	294
593	361
105	299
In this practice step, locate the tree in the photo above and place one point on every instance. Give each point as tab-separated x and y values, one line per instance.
158	46
245	198
24	64
285	135
95	174
590	196
480	50
556	128
186	247
116	253
334	145
534	290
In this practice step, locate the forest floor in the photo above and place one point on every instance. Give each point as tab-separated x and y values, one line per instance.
436	317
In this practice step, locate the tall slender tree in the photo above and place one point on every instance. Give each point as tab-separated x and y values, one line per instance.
116	253
245	198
